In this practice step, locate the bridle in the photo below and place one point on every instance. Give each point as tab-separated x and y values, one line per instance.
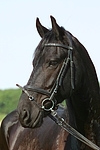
54	116
51	95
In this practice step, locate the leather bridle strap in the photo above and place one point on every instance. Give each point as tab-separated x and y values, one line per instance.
58	45
70	58
51	95
38	90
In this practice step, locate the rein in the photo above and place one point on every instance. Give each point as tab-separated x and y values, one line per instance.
62	123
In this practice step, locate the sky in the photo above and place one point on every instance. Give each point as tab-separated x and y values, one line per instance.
19	36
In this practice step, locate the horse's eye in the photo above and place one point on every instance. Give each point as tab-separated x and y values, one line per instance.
53	63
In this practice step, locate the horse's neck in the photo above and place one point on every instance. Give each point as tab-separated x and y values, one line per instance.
86	105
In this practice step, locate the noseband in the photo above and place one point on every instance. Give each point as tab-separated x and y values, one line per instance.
58	83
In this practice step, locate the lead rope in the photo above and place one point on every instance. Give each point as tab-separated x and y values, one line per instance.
62	123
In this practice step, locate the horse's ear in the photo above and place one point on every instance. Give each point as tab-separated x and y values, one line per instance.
41	29
55	27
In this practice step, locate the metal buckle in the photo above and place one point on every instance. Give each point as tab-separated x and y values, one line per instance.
48	104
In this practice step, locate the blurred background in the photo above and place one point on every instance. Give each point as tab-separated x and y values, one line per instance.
19	38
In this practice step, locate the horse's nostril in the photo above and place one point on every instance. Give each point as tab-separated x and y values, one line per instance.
25	115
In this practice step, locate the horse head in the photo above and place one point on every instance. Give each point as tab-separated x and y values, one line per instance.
58	73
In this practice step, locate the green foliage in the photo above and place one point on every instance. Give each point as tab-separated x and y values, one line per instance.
2	116
8	100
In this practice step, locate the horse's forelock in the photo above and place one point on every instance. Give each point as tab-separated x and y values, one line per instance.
48	38
39	51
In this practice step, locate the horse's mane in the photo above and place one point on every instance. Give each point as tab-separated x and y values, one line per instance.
89	66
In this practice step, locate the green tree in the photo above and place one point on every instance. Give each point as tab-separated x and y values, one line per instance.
9	100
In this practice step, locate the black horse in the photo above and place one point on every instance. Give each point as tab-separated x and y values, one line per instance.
62	69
